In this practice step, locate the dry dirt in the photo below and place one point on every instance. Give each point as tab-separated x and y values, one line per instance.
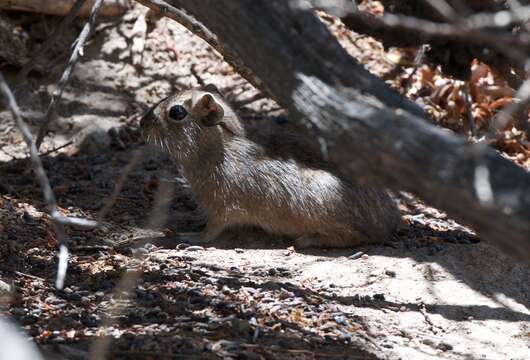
436	291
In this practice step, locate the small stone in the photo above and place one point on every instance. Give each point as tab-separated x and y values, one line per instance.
388	345
355	256
379	297
444	346
390	273
364	257
239	250
5	288
195	248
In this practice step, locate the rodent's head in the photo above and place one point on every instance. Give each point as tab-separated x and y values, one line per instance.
184	122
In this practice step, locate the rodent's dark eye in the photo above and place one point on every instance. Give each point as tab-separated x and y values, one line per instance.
177	112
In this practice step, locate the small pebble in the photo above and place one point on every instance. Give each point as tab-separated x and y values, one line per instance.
379	297
239	250
355	256
183	246
444	346
390	273
5	288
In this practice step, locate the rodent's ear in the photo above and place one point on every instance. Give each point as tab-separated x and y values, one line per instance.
209	110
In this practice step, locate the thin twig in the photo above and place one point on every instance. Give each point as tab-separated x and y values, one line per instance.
56	34
250	100
470	29
51	113
57	148
469	108
196	75
129	280
58	220
443	9
513	110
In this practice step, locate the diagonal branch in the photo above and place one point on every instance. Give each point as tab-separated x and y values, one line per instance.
51	112
188	21
59	220
179	14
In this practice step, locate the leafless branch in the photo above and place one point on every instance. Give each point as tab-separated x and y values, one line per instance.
443	9
204	33
471	29
59	220
516	109
250	100
51	151
62	7
51	113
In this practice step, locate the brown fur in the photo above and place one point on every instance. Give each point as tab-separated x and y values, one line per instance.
266	179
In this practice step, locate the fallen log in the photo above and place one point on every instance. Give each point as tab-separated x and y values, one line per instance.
371	133
62	7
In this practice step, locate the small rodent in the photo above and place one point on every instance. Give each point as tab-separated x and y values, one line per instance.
263	178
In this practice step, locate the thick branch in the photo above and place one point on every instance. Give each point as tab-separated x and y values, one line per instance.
304	66
204	33
63	7
455	40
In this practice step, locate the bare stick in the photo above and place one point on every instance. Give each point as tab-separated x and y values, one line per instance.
514	110
57	148
58	220
56	34
129	280
250	100
51	113
62	7
469	29
469	108
443	8
204	33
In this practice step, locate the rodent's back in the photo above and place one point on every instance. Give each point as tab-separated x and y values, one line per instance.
277	175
